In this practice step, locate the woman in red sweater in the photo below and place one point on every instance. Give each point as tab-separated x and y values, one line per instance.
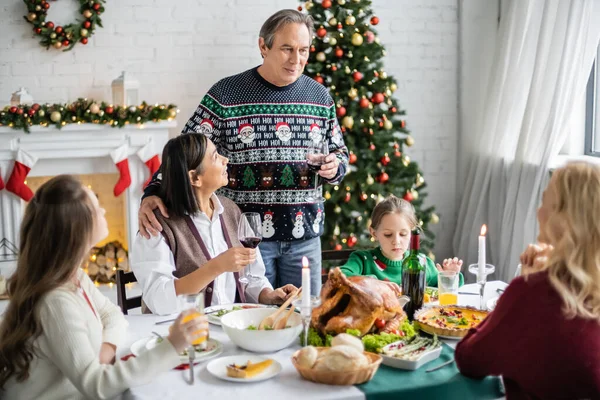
544	335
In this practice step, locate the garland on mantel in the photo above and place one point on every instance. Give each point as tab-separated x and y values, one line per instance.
84	111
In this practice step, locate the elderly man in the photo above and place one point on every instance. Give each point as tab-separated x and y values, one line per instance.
264	120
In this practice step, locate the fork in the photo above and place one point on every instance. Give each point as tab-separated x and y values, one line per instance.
191	357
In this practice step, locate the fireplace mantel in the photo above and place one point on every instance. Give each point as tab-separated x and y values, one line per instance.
76	149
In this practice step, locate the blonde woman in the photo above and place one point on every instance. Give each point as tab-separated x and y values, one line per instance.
59	334
544	335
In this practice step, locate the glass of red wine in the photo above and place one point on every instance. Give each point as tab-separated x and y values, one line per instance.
250	235
316	153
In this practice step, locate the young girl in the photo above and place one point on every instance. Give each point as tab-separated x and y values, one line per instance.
59	334
392	221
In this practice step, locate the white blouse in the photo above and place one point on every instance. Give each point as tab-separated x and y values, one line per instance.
153	263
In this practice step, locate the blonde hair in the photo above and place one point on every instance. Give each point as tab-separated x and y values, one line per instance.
574	264
393	205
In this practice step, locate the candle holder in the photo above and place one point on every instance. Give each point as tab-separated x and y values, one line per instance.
481	279
305	315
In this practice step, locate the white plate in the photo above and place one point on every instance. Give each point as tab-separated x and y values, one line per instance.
211	311
407	364
213	349
491	304
218	368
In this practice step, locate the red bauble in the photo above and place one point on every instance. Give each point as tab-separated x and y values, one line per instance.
299	8
12	110
393	109
19	111
374	20
402	124
66	42
339	52
38	30
363	103
408	197
363	196
372	147
357	76
109	110
87	24
84	40
396	146
352	158
321	32
334	68
341	111
338	247
326	3
46	5
313	49
378	98
398	154
383	177
319	79
385	160
35	106
340	26
31	112
352	240
347	197
96	6
50	25
58	29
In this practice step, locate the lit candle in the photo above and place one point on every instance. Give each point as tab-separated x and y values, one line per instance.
305	284
481	259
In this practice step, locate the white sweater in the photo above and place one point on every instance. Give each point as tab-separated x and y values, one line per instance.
67	365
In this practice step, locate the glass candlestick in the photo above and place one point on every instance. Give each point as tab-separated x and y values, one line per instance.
481	279
305	315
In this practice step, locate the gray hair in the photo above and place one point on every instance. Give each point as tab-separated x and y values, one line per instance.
282	18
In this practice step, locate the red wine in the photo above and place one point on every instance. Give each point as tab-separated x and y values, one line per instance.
315	161
413	276
250	242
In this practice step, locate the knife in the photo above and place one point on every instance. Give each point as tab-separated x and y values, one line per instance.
440	366
191	357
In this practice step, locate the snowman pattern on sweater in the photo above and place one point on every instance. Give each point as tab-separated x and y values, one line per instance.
268	229
317	221
298	231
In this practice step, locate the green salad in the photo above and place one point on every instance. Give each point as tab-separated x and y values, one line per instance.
224	311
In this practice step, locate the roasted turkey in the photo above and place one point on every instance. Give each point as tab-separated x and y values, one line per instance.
355	303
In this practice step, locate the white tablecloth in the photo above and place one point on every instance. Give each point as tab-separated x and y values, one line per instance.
287	385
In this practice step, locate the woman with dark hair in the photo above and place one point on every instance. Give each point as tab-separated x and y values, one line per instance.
199	248
59	334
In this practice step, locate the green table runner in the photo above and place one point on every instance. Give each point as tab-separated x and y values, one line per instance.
445	383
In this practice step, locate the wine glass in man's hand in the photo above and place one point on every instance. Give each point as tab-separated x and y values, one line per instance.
249	235
316	153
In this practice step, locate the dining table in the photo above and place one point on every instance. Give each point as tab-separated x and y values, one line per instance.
388	383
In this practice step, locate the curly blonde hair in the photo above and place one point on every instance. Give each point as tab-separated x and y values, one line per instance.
574	264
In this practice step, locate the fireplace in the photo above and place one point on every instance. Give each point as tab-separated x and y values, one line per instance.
84	151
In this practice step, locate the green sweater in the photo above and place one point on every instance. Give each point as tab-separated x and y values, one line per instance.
374	264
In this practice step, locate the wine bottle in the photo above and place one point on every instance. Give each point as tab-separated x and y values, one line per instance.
413	276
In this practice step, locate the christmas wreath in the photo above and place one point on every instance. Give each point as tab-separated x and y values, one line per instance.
66	36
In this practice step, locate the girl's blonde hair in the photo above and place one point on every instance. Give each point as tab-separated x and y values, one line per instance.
56	234
393	205
574	264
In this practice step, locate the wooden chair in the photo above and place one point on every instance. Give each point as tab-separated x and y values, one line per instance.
341	256
124	278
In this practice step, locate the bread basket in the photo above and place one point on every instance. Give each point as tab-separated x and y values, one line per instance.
339	378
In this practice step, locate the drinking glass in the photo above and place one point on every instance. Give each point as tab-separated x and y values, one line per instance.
249	235
193	302
448	287
316	154
481	279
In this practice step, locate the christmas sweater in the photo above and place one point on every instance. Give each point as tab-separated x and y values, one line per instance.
265	131
374	264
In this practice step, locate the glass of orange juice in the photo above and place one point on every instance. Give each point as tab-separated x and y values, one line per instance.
448	287
194	302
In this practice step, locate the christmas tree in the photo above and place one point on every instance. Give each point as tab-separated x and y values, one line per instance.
287	177
249	180
346	57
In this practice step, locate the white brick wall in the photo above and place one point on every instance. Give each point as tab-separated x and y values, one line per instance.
178	49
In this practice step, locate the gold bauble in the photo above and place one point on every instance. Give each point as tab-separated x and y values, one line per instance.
53	35
353	93
370	180
100	113
55	116
41	113
94	108
388	93
336	230
377	39
349	54
387	124
393	87
420	180
356	1
405	161
415	194
38	8
347	70
337	210
333	22
87	13
172	113
434	218
332	41
371	121
350	20
409	141
327	195
357	39
83	32
341	2
320	56
31	17
308	5
57	45
348	122
383	75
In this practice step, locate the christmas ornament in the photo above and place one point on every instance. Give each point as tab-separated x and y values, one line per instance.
350	20
363	196
405	161
333	22
387	124
94	108
337	209
119	157
371	147
336	230
339	52
55	116
16	182
383	177
352	93
319	79
364	103
338	247
348	122
370	180
420	180
385	160
408	197
149	157
415	194
393	87
371	121
357	39
383	75
352	240
308	5
434	219
357	76
339	26
341	111
352	158
109	110
320	56
321	32
409	141
347	197
378	98
370	36
65	36
374	20
327	195
333	41
326	3
341	2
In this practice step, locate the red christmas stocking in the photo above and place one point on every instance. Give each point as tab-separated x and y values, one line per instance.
150	157
16	182
119	157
